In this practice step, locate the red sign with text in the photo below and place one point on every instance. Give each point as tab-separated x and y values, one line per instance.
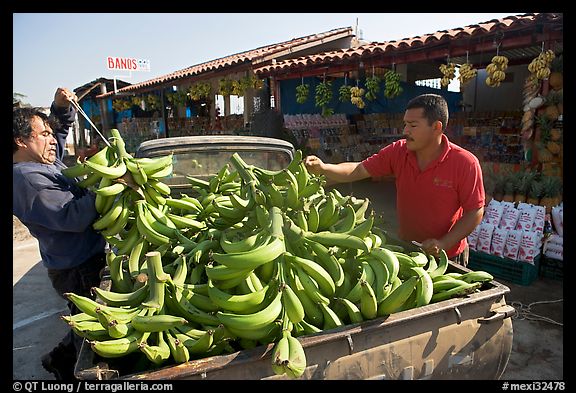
127	64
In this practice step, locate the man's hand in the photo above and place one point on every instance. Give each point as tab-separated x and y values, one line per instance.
432	246
128	180
63	97
314	165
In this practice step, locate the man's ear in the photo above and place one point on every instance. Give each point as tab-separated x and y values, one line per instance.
20	142
437	125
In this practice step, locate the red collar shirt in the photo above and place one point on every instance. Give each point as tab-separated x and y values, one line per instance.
430	201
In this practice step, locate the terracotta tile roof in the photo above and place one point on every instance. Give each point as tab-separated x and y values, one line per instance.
509	23
254	56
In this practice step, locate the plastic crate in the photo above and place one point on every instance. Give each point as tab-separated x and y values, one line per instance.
551	268
517	272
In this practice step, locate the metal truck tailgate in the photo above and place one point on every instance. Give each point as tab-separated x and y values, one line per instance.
459	338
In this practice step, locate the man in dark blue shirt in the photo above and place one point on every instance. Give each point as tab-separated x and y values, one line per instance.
56	212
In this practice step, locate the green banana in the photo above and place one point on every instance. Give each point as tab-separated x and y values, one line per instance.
456	291
117	347
420	258
331	320
327	259
156	322
120	281
161	173
280	354
130	299
153	165
181	306
118	169
387	257
315	271
145	229
424	287
266	332
129	240
178	350
397	297
137	256
111	189
255	320
346	221
184	204
201	345
111	215
158	353
138	174
368	302
381	277
296	358
328	213
363	229
253	258
310	286
443	285
313	218
442	265
337	239
235	240
354	313
292	304
223	272
245	304
90	180
309	328
76	170
362	209
476	276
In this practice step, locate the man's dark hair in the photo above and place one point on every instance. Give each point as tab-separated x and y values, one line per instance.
435	108
22	127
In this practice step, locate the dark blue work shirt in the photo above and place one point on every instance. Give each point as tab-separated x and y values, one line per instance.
54	209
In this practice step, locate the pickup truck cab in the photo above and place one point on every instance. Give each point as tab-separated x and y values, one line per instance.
203	156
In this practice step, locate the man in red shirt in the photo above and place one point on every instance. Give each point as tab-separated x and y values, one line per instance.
440	192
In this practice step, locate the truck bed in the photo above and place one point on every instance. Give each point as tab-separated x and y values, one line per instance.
460	338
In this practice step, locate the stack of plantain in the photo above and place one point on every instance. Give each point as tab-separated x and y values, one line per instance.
448	73
495	71
254	257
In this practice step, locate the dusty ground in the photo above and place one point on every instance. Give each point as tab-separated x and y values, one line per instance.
19	232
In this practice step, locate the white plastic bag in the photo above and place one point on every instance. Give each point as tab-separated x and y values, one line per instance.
493	213
472	238
485	237
510	219
512	245
538	224
529	246
558	219
526	219
498	241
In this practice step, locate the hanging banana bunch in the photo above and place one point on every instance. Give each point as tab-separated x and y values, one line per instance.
495	71
467	72
302	92
372	86
344	93
540	66
356	94
449	72
393	88
323	97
